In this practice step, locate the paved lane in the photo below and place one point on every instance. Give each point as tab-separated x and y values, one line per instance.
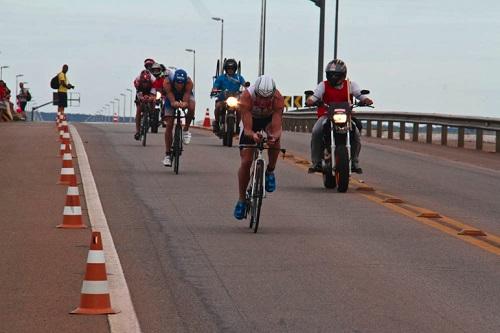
322	261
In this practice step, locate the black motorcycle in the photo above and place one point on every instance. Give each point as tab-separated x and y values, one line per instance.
336	161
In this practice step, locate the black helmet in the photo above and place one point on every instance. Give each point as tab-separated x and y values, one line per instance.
336	72
230	63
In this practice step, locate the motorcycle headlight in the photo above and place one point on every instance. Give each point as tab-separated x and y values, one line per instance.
158	95
232	102
339	118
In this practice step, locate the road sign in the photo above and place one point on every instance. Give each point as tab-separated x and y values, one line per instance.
288	101
297	101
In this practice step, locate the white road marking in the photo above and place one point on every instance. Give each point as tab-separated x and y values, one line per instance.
126	319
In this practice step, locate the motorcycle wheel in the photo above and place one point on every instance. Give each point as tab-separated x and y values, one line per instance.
341	168
328	176
229	132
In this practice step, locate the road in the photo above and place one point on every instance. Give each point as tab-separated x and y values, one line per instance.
321	262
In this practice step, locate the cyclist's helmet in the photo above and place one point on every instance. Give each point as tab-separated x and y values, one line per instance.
230	63
265	86
180	76
155	70
336	72
148	62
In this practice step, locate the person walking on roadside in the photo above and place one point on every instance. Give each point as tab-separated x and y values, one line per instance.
62	91
23	98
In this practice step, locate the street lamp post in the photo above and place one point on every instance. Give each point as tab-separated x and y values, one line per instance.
1	71
124	116
130	91
107	110
321	47
336	28
18	76
113	113
194	66
221	40
118	108
262	41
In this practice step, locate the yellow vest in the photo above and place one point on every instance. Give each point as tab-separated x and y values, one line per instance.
62	78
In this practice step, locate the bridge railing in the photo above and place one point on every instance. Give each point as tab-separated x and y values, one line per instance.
409	126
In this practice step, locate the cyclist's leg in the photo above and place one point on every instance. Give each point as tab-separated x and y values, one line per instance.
246	155
190	113
169	120
137	117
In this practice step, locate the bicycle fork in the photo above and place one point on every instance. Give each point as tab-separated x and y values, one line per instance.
254	174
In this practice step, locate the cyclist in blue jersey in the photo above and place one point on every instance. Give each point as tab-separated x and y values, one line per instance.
230	82
179	91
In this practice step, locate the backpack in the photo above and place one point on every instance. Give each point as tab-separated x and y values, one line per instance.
54	83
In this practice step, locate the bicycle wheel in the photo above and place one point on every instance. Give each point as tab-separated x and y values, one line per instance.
176	153
144	126
257	195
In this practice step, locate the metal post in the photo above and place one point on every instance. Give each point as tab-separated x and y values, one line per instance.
262	42
444	135
118	108
402	130
1	71
429	133
321	47
479	138
336	28
130	91
194	66
221	41
124	116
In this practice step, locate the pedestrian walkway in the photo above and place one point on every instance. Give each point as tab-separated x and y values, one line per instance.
41	266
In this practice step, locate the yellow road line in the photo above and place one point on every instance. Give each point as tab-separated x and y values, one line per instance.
457	229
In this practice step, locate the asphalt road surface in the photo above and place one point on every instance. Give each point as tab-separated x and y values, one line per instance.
322	261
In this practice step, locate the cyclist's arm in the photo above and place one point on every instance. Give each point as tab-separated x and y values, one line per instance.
245	109
167	87
188	90
277	118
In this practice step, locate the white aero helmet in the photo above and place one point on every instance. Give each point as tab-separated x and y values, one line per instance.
265	86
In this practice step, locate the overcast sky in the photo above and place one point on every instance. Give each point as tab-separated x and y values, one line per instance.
414	56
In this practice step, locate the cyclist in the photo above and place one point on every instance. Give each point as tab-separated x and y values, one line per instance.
179	92
148	63
261	107
230	81
336	88
145	93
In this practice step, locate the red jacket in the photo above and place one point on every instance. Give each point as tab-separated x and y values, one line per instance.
333	95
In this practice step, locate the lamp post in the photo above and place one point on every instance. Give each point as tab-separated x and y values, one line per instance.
194	66
124	116
113	113
118	108
130	91
336	28
262	41
18	76
221	40
321	47
107	109
1	71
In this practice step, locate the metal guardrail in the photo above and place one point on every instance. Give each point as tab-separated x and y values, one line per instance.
302	120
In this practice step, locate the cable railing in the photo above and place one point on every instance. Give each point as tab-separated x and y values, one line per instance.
418	127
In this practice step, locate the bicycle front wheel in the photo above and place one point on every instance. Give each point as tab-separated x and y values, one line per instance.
258	194
176	153
144	127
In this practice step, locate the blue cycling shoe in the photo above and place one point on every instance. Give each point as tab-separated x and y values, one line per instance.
240	209
270	182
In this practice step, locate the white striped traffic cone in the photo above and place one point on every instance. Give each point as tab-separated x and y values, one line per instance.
95	297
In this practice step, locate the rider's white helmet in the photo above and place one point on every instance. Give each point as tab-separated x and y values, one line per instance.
265	86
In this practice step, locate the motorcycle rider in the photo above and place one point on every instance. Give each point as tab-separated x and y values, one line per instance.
336	88
261	107
179	91
230	81
145	92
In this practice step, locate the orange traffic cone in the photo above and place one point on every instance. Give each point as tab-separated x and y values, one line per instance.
68	175
65	148
95	297
65	137
72	214
206	121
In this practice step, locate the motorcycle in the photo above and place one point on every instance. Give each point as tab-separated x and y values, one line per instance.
337	162
228	118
